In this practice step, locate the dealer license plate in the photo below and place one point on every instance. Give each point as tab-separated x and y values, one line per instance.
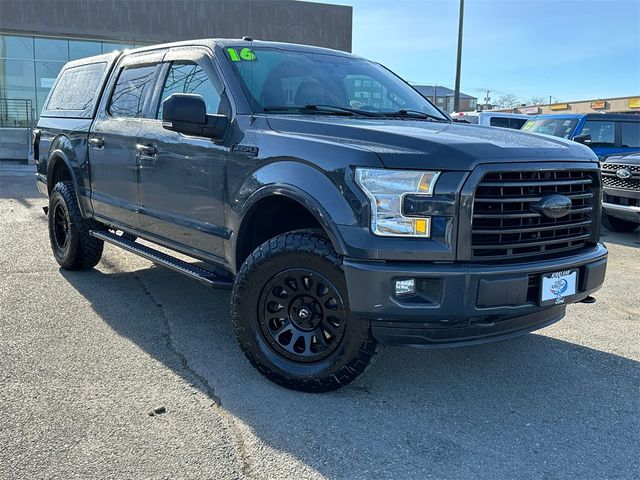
555	287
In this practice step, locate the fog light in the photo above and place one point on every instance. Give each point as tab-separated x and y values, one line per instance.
406	286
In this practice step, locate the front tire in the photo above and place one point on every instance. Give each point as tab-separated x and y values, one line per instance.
619	225
73	246
291	314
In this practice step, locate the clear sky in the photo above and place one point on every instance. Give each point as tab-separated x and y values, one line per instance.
570	49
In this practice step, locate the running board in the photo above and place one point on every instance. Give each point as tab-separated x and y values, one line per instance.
203	276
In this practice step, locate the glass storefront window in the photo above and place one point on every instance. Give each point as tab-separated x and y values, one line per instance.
80	49
46	73
16	47
52	49
29	65
16	83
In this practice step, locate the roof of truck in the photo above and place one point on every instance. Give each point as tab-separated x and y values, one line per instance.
632	117
210	43
243	42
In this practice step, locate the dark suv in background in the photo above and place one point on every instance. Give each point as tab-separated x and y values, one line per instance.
343	209
621	180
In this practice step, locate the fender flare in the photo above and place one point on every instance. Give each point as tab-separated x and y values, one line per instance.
57	155
302	183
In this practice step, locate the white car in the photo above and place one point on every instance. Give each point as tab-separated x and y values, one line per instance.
492	119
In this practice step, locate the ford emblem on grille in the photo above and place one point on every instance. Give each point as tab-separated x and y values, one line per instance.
552	206
623	173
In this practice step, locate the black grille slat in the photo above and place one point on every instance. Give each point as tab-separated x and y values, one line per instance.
535	184
521	214
527	199
504	225
504	231
529	244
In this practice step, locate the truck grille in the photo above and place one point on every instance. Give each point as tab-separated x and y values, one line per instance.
504	227
609	178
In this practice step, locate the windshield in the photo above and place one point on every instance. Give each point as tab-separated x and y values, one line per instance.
276	80
558	127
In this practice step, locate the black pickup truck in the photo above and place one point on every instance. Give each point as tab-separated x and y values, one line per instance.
343	209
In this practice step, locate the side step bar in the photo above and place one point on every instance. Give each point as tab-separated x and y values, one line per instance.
204	276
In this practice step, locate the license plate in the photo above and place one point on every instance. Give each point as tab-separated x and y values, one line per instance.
555	287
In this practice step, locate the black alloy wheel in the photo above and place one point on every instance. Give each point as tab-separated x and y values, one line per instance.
73	246
61	227
291	313
302	315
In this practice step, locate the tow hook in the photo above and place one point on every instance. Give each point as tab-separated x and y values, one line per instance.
45	210
482	323
588	299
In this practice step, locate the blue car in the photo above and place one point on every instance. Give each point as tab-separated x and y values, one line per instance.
606	134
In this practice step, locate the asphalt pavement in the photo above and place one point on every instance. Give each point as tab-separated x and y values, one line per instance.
86	357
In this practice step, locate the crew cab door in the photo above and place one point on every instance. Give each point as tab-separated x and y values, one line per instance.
182	177
113	140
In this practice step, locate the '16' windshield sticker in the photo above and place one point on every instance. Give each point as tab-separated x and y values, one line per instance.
246	54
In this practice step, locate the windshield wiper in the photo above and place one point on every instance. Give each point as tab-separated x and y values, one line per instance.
415	114
325	109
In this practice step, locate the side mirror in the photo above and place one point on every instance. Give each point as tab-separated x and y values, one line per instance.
187	113
584	139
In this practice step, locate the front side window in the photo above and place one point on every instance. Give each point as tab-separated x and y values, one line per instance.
131	91
602	133
188	77
630	132
274	78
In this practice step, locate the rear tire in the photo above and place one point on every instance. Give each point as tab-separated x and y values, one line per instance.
72	245
619	225
291	314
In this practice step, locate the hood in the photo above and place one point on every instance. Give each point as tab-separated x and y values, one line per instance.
402	143
628	159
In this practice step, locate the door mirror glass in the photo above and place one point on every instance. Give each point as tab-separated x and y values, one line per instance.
186	113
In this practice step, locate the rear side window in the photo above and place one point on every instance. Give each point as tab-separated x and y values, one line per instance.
517	123
602	133
507	122
188	77
77	89
630	133
499	122
131	91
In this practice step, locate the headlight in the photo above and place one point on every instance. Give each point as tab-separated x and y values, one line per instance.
386	190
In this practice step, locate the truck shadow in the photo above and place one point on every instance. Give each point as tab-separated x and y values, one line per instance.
527	408
628	239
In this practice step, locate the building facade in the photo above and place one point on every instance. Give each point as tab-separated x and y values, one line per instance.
608	105
37	37
442	97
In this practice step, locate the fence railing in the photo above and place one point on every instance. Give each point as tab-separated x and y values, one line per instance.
16	113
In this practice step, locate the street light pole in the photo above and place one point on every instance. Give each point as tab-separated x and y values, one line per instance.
456	95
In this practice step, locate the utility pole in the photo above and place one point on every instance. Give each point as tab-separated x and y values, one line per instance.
487	99
456	95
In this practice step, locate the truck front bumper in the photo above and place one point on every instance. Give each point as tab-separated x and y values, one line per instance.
463	303
622	204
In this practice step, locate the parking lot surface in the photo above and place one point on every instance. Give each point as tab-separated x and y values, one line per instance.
86	356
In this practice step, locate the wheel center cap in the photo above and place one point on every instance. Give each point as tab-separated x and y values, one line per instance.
305	312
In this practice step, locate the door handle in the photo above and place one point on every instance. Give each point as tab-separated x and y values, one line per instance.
147	150
96	142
